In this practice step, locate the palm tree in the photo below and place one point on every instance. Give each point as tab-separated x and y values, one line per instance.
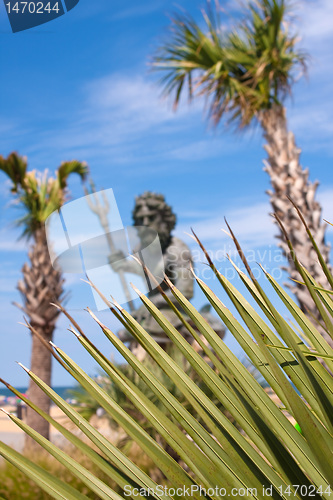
42	284
245	74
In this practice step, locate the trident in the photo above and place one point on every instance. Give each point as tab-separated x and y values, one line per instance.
102	210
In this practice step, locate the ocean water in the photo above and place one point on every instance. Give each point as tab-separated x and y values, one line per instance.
61	391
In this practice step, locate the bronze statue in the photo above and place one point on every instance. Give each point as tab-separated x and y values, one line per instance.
152	211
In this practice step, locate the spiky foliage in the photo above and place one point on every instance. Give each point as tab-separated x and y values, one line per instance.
245	73
87	406
15	485
39	195
241	71
264	451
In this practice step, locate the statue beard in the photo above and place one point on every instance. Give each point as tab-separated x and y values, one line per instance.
164	237
165	240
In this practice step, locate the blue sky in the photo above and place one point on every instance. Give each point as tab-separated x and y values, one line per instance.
80	87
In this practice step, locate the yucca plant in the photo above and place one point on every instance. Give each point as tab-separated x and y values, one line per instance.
265	455
245	73
87	405
39	194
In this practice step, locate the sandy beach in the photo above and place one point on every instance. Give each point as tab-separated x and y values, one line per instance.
12	435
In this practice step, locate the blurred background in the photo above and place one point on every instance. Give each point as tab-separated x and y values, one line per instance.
80	87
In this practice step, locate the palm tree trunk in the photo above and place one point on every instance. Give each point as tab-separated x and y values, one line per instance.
288	178
41	285
40	365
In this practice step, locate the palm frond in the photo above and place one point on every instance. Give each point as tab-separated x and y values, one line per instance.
71	167
15	168
39	194
241	71
165	410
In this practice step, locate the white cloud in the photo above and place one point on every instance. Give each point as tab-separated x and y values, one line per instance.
316	18
203	150
128	104
132	105
312	124
122	117
118	117
9	242
311	113
122	109
253	225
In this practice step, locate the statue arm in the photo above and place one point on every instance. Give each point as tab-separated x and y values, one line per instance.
178	264
118	263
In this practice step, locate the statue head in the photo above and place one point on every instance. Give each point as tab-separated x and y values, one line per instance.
151	210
